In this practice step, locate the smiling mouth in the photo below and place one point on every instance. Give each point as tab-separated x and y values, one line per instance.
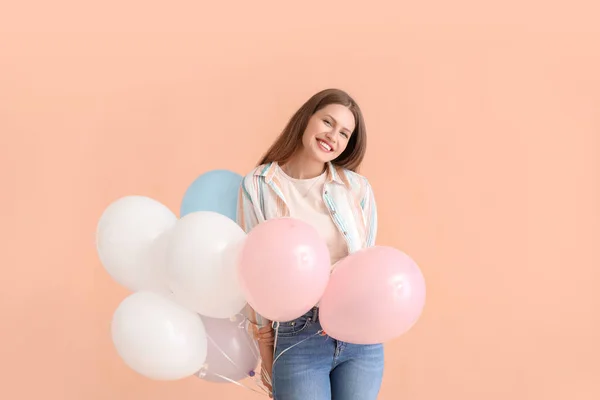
324	146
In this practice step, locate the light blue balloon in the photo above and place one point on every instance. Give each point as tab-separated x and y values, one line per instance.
215	191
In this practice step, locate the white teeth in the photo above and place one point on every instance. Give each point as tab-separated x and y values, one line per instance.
325	145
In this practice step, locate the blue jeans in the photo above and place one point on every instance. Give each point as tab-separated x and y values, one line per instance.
309	365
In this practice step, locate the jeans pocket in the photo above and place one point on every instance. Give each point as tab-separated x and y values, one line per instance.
293	328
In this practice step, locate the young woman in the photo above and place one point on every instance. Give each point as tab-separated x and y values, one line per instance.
309	173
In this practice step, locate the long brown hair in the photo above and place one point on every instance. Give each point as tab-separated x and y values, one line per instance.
290	140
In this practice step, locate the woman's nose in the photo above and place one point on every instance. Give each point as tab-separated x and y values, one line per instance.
332	136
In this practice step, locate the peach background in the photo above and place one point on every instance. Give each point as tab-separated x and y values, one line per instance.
484	154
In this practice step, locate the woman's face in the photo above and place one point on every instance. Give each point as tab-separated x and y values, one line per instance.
327	133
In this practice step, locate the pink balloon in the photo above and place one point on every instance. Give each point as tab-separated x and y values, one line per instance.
373	295
284	268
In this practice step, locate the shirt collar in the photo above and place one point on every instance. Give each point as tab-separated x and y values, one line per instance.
333	173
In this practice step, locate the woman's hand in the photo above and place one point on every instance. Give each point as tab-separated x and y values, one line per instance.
266	336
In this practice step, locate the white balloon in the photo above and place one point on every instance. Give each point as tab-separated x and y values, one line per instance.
202	260
132	238
159	338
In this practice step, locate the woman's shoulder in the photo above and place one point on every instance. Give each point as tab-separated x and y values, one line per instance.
262	169
250	179
352	175
359	184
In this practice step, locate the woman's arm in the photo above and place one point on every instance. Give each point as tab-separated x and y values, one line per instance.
247	218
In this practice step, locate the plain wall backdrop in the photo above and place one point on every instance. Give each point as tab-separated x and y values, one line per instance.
484	144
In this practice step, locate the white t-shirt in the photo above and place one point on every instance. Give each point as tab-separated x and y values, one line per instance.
305	200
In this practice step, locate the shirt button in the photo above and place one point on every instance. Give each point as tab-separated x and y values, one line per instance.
345	233
333	212
326	192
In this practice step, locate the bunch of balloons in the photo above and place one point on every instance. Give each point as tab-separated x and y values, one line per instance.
192	278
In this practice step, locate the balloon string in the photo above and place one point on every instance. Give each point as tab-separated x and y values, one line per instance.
264	378
224	355
259	383
253	347
252	343
264	392
296	344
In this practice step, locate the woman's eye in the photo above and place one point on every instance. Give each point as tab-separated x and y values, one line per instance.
345	135
327	122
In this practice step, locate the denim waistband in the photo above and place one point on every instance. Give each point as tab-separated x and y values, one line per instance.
312	314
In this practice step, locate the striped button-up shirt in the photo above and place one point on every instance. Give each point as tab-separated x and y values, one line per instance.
347	195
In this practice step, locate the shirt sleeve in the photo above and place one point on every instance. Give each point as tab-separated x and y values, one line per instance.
369	207
248	216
